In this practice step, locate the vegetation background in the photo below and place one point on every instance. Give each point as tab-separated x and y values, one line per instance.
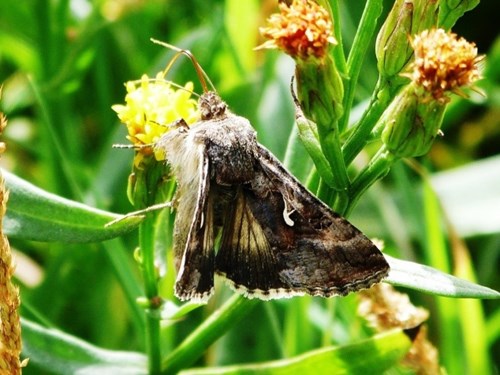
63	63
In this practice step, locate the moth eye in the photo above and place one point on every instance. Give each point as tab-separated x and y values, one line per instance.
180	125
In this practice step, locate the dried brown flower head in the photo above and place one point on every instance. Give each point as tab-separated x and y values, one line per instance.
303	30
443	63
385	308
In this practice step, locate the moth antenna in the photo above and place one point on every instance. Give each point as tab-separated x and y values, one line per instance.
171	83
202	76
135	147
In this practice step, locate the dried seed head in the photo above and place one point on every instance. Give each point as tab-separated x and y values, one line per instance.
385	308
443	63
303	30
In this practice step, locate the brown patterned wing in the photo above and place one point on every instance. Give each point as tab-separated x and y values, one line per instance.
281	241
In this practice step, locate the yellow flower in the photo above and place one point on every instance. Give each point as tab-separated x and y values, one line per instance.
150	106
443	63
303	30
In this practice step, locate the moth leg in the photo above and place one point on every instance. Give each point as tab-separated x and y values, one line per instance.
154	207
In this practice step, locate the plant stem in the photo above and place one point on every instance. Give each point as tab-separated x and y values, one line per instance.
146	236
360	135
338	52
377	168
330	144
366	29
218	323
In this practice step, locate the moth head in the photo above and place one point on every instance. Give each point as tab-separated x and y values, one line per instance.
211	106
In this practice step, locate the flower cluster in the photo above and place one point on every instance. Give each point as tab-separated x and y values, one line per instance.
443	63
151	105
302	30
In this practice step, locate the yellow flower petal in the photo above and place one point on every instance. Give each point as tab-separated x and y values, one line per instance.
150	106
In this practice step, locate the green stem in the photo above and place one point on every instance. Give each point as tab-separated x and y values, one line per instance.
330	144
366	29
146	243
218	323
325	193
361	133
338	51
377	168
342	202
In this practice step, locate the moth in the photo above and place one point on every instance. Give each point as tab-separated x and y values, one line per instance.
274	238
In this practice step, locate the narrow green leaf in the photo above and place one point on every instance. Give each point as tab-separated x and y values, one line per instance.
171	311
60	353
309	136
218	323
35	214
451	10
372	356
429	280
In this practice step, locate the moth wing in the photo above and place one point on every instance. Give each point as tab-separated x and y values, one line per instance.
245	257
195	276
281	241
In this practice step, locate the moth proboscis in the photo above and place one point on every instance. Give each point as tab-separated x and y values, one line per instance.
276	238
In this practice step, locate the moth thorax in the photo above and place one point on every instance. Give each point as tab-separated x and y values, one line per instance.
211	106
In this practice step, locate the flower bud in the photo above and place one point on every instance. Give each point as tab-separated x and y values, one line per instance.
407	17
411	124
392	49
304	30
451	10
443	63
320	91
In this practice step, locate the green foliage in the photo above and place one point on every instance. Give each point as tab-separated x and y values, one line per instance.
37	215
63	65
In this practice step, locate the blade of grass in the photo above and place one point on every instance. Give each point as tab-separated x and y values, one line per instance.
471	313
436	254
371	356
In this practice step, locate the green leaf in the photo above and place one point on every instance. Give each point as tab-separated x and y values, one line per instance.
212	328
308	134
171	311
35	214
470	196
450	11
60	353
429	280
372	356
